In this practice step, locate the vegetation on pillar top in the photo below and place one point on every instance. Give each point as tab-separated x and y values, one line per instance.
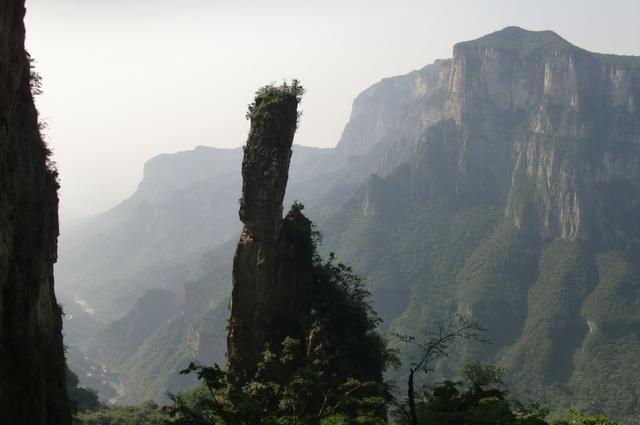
271	95
274	118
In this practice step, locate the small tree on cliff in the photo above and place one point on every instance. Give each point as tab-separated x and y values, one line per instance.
270	94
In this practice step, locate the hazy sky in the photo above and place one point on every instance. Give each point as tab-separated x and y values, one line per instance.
125	80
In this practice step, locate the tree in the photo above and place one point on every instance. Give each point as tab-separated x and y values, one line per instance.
435	347
577	418
480	399
81	398
307	397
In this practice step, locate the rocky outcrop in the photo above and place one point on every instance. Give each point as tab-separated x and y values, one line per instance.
32	365
272	266
395	109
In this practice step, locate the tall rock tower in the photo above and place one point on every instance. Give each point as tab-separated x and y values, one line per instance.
32	365
273	262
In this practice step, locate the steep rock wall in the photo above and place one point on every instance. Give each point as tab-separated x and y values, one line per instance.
550	129
32	367
534	123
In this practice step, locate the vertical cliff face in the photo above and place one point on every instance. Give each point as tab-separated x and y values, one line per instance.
388	119
271	272
32	369
550	128
524	119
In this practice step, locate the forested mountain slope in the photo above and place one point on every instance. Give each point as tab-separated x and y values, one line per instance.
520	210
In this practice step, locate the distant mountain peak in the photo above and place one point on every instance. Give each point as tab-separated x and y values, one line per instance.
521	40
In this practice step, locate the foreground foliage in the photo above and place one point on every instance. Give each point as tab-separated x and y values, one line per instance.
480	399
148	413
334	376
267	402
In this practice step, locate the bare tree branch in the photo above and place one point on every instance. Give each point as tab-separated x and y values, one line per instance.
435	347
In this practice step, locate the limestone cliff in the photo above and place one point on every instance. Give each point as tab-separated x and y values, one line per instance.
272	266
556	122
396	109
32	367
521	118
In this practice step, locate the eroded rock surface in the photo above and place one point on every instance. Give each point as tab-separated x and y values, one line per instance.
273	265
32	366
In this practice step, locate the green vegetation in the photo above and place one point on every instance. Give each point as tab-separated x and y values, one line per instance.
561	314
148	413
268	96
436	346
577	418
334	376
81	398
477	400
306	397
523	42
157	363
35	79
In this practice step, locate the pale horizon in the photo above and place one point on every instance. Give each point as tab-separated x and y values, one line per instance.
123	83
